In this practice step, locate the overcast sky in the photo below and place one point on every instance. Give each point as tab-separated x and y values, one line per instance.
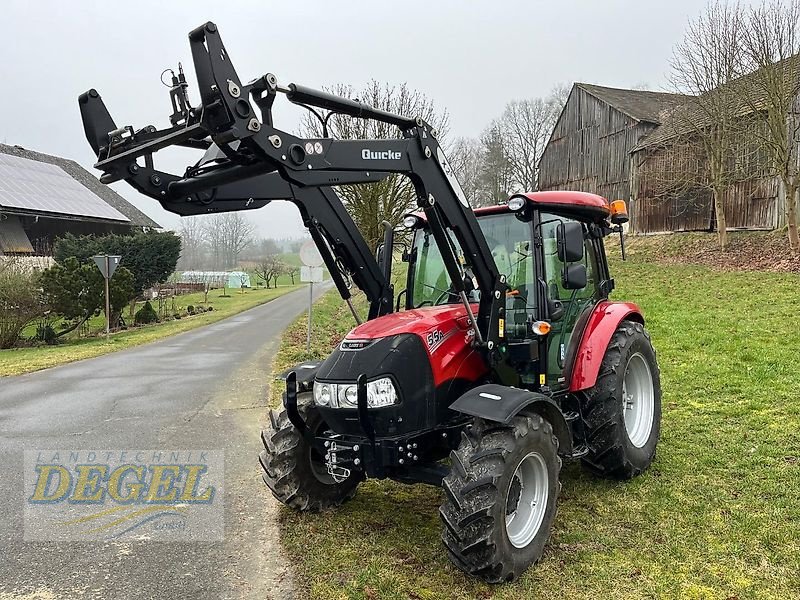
469	57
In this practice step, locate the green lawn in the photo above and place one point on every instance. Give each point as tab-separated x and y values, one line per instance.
717	515
24	360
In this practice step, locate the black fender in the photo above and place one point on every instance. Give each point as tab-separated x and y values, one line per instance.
501	403
305	371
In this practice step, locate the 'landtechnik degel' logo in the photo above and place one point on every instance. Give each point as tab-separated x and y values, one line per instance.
173	495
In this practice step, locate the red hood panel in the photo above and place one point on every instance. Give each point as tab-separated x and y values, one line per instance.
418	321
446	333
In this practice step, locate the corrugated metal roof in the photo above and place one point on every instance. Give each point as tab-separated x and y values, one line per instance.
642	105
87	181
13	239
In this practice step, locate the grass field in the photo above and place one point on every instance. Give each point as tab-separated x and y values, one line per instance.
24	360
716	516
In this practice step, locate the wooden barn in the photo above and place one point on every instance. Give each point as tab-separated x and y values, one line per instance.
634	145
590	147
669	170
42	197
670	191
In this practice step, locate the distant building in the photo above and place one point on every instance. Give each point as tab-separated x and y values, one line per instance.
216	279
42	197
669	167
634	145
590	147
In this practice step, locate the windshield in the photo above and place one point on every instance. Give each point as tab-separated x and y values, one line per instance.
509	240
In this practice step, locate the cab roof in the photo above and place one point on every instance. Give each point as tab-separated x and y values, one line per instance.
583	205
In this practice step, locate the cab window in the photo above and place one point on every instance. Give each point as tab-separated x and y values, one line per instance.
509	241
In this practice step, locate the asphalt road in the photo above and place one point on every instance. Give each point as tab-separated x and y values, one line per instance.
206	388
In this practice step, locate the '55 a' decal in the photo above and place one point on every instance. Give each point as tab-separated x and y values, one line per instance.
436	338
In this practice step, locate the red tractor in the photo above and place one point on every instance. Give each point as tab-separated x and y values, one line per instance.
508	357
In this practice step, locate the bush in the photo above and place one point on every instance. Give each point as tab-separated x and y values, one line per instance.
145	315
150	257
190	309
20	301
45	333
76	291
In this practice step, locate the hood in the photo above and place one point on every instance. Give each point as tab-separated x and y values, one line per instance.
418	321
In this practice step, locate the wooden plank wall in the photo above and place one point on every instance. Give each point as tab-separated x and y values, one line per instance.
659	206
589	149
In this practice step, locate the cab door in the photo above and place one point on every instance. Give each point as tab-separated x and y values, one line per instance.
566	306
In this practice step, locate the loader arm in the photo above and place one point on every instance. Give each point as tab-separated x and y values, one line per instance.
237	119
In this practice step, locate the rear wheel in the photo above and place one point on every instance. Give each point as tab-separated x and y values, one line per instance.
294	471
622	413
500	497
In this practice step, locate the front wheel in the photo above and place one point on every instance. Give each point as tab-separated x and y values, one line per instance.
622	413
294	471
500	497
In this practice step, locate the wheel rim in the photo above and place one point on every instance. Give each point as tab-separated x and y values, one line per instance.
638	400
526	500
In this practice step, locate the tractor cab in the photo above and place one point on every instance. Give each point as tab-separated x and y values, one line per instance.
549	247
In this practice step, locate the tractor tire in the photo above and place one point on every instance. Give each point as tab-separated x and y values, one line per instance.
500	497
622	413
294	471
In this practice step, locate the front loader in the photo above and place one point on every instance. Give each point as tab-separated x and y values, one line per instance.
506	359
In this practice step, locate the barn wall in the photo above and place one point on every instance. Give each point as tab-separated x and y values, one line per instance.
43	231
589	149
669	193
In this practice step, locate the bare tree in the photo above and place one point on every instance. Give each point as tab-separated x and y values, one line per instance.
192	243
227	234
269	268
704	65
525	126
771	43
390	199
466	158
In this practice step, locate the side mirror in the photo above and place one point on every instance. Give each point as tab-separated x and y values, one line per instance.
569	238
573	277
379	254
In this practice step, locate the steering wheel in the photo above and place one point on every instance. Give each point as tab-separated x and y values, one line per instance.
436	302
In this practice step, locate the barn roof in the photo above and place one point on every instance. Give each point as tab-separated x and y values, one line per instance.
116	207
685	117
641	105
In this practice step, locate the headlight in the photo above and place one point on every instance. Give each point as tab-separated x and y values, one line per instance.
380	392
348	396
323	392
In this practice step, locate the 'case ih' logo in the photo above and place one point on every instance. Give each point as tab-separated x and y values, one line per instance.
368	154
355	344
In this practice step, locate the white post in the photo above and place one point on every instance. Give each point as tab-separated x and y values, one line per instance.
310	305
108	301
